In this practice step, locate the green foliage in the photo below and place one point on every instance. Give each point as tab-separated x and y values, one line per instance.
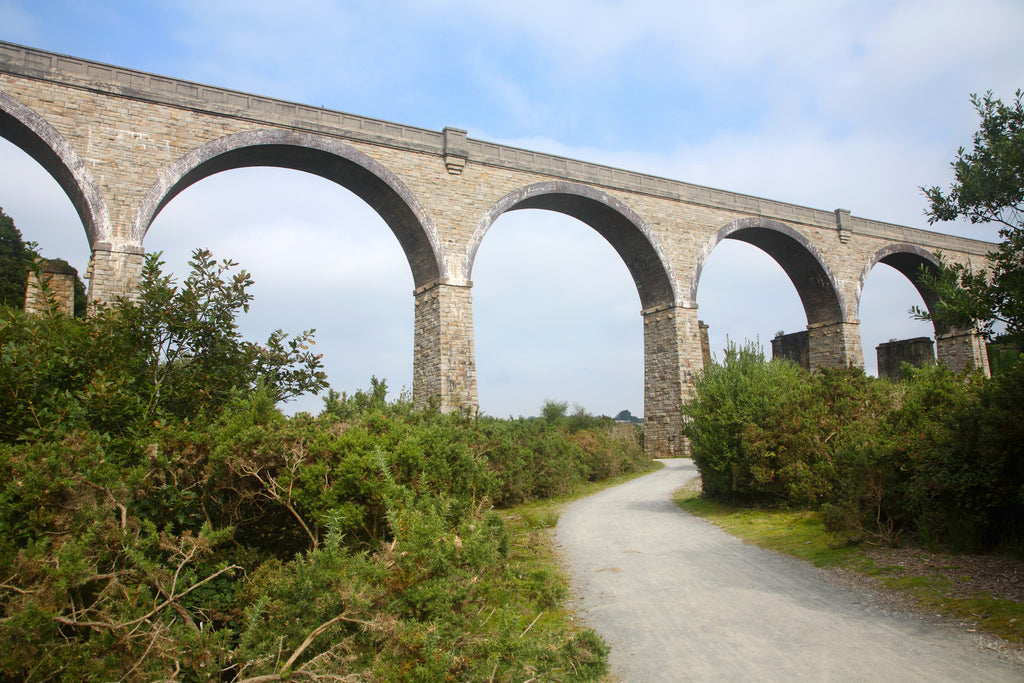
937	455
554	412
14	262
261	544
16	258
988	185
188	346
172	354
161	519
989	188
762	432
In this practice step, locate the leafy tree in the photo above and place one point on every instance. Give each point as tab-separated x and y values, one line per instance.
174	353
989	188
13	263
554	412
15	257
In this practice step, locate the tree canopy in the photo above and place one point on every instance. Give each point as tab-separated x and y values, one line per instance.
988	188
14	257
175	352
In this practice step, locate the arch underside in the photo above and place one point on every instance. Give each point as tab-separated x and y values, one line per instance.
613	221
342	165
911	261
34	136
813	283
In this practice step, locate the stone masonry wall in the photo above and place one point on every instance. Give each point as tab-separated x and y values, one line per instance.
130	127
705	343
114	273
672	360
919	351
51	282
443	365
794	347
962	351
834	346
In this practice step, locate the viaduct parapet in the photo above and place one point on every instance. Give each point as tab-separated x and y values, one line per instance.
122	143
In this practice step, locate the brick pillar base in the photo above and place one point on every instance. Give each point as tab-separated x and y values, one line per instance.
49	282
962	351
444	366
114	271
672	359
834	345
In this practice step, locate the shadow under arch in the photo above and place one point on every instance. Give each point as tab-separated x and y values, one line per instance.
612	219
41	141
909	260
330	159
803	264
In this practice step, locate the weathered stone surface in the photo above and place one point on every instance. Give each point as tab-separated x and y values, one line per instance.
794	347
672	360
918	352
834	345
122	143
50	281
705	343
443	362
962	351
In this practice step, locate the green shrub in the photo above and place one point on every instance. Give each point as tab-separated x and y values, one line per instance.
760	431
160	518
937	456
223	548
172	353
968	491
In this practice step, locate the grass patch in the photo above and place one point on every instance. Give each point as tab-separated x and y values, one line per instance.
795	532
801	534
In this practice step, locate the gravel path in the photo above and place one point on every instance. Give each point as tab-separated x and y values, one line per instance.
680	600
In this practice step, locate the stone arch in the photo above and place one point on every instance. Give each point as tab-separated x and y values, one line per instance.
908	259
41	141
328	158
822	299
612	219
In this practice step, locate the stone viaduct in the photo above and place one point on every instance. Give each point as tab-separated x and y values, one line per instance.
123	143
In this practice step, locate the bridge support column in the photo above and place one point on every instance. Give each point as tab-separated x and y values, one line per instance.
114	270
672	359
962	351
444	366
834	345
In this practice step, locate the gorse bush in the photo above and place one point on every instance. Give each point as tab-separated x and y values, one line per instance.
938	455
161	519
173	353
218	551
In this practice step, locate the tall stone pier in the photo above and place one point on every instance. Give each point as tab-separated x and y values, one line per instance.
123	143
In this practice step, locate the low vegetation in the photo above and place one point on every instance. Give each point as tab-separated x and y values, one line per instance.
161	519
938	458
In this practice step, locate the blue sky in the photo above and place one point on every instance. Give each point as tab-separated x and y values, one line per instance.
824	104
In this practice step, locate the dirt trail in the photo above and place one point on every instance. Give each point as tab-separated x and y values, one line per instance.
680	600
